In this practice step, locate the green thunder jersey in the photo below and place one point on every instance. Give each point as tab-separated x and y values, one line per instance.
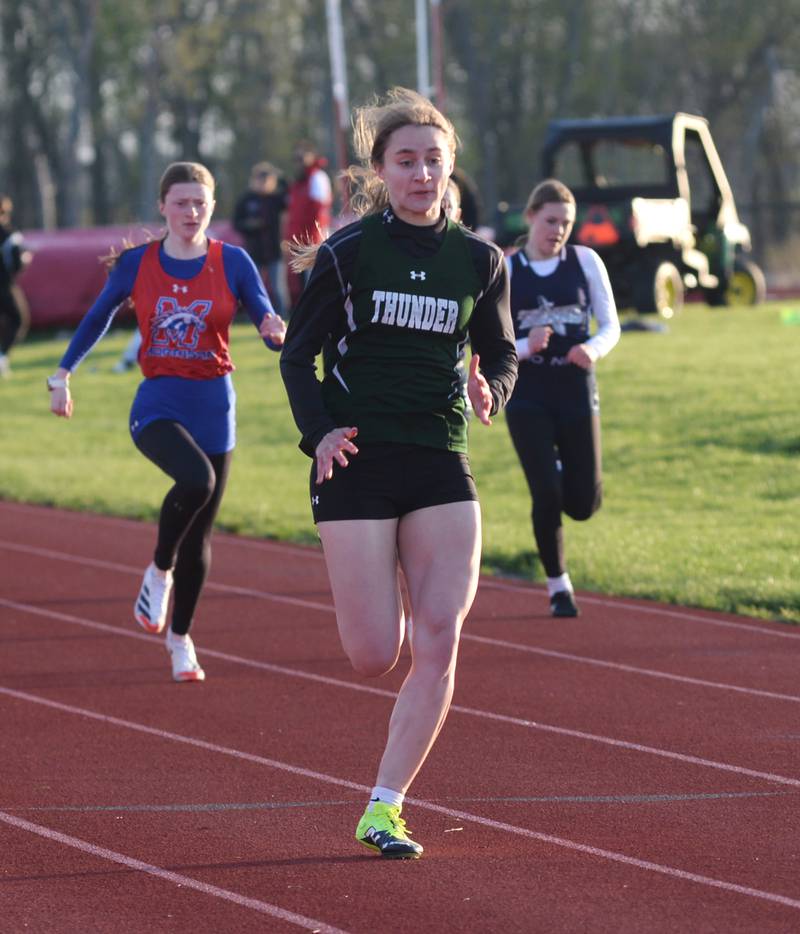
395	371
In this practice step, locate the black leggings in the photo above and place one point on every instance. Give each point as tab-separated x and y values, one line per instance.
188	511
542	440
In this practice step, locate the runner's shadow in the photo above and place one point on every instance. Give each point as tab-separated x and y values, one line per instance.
322	859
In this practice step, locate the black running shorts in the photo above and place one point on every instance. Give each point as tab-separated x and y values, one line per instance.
386	481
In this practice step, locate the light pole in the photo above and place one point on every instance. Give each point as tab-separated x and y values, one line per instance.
341	105
423	54
437	55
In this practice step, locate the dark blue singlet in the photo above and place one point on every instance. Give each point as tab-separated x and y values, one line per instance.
560	300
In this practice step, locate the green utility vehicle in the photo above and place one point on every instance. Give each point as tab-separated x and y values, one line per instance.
653	200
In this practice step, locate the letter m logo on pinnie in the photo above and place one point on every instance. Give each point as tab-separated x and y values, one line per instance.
176	325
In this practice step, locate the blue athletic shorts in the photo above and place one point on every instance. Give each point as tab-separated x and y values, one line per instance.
205	407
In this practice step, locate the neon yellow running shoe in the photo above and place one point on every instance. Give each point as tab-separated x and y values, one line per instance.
383	830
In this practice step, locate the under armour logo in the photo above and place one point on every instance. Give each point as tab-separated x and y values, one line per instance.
417	275
179	288
315	500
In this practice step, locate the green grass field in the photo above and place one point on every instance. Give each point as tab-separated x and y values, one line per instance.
701	439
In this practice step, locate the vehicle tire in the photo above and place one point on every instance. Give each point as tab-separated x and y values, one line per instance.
660	289
745	286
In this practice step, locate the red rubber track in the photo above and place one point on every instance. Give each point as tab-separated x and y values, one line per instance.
634	770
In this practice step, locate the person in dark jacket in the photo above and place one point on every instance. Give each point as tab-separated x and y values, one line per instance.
13	258
257	217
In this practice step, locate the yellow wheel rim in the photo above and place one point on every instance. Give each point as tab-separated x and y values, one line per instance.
667	298
741	289
669	295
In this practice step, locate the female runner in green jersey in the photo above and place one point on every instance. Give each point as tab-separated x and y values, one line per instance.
391	302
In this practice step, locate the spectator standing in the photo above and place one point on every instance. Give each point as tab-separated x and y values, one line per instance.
308	218
13	259
469	198
257	217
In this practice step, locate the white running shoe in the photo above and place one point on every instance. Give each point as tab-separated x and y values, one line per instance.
185	666
150	609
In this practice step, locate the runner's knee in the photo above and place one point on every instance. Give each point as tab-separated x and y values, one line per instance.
583	507
372	662
436	641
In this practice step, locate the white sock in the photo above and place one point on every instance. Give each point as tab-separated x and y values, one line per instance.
554	584
379	793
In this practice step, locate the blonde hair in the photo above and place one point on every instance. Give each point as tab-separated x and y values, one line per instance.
451	202
373	125
110	259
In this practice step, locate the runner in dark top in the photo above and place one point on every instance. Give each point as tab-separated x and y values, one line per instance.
554	413
391	301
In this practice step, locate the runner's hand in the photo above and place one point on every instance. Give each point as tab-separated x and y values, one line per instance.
335	446
273	328
539	338
582	355
478	391
61	402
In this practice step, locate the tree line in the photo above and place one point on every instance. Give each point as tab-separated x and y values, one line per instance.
97	96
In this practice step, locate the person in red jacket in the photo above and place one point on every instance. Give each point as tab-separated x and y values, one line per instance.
308	217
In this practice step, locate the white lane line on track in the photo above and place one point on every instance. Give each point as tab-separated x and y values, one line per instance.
501	826
466	637
780	630
456	708
631	669
202	808
167	875
130	569
783	632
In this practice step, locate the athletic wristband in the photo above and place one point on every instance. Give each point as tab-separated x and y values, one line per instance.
54	382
